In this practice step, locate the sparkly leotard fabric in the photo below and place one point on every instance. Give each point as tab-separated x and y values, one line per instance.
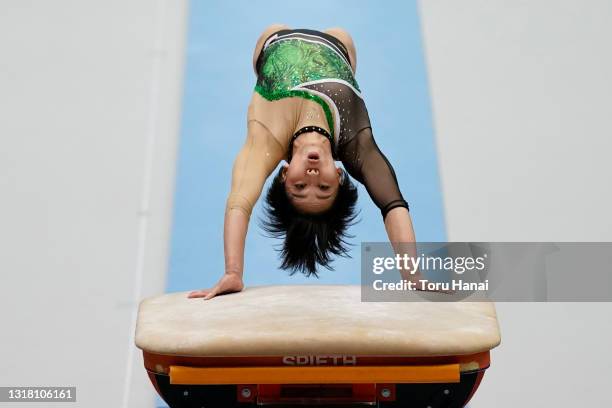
315	66
301	63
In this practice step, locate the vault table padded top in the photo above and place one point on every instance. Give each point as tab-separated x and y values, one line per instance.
312	319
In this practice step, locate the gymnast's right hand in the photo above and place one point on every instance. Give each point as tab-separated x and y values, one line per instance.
229	283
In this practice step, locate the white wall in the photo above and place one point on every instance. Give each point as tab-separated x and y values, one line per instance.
522	100
89	101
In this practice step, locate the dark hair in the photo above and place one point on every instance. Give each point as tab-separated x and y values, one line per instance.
309	239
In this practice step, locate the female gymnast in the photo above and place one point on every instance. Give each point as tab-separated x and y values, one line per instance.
307	110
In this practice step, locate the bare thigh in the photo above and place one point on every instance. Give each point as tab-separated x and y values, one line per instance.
346	39
262	39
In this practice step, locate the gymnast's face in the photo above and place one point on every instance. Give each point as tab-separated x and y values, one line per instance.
311	178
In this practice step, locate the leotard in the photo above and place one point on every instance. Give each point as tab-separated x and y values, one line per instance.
305	80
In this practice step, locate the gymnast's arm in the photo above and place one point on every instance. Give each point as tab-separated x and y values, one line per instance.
365	162
258	157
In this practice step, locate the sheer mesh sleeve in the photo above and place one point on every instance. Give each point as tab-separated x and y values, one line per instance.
367	164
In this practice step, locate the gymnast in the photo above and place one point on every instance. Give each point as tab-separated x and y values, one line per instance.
306	110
